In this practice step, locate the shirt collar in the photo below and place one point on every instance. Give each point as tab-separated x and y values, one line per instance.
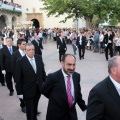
30	58
9	47
116	84
64	74
21	51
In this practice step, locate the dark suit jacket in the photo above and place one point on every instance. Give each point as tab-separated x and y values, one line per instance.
61	45
54	88
106	38
6	58
16	55
1	55
103	102
26	78
37	47
83	41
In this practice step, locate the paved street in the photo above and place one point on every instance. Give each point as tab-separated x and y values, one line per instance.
92	69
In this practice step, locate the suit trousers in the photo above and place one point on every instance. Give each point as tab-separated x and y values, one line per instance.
32	104
109	46
81	51
61	53
2	80
9	81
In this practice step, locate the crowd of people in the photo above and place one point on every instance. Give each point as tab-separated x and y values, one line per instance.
21	59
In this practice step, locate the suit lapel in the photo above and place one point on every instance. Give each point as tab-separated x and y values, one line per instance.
75	85
62	81
28	63
113	92
7	50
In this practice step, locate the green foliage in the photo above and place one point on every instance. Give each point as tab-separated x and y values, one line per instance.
94	11
113	21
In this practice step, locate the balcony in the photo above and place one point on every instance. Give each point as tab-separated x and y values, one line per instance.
10	8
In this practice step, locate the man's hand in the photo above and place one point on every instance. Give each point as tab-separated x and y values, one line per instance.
3	72
105	45
20	96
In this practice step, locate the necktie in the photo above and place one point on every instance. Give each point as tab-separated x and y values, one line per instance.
33	65
23	53
10	49
69	91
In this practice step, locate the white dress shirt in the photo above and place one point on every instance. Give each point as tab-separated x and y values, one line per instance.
116	84
1	46
9	48
61	39
22	52
80	41
71	81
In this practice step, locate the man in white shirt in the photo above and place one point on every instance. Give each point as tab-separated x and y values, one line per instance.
104	98
30	75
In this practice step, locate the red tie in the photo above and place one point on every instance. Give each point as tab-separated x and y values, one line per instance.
69	91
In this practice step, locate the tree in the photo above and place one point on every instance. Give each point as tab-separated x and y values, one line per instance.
86	9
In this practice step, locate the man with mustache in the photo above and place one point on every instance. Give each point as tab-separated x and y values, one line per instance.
63	90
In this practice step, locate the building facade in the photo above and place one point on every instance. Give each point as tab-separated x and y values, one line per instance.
30	10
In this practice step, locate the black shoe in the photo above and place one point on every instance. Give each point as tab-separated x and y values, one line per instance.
23	109
11	93
82	57
38	113
3	84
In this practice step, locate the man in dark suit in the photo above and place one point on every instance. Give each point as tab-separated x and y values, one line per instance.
2	79
16	55
38	45
63	91
104	98
6	54
108	41
30	75
61	45
81	42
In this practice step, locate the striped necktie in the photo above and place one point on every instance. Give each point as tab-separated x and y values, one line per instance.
70	102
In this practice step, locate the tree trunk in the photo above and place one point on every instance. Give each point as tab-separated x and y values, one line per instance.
88	21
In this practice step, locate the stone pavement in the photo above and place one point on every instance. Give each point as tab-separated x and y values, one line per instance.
92	69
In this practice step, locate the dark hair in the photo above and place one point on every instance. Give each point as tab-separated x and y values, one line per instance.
19	42
64	57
